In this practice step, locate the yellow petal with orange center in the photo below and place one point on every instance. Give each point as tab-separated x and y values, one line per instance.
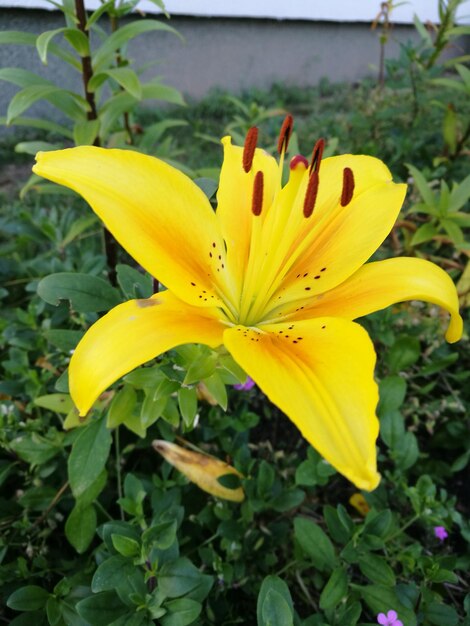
133	333
320	373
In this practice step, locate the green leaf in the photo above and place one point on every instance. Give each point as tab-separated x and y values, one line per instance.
335	589
123	36
65	340
380	598
275	586
112	572
377	570
80	527
182	612
73	105
78	40
32	147
275	610
404	353
88	456
124	76
407	452
378	523
57	402
126	546
29	39
315	543
32	122
453	230
154	90
34	449
187	402
422	185
101	609
93	491
217	389
392	391
161	536
134	284
460	195
424	233
29	598
441	614
122	406
85	132
179	577
43	41
86	293
208	186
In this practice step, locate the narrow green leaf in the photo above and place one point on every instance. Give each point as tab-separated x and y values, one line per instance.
124	35
43	41
124	76
422	185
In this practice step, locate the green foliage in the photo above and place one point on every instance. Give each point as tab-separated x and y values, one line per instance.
96	528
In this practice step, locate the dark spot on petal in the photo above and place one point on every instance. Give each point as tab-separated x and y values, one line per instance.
213	244
317	276
193	284
307	288
144	303
210	254
323	327
306	274
323	269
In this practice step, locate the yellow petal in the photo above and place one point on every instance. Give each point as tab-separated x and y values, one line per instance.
234	201
378	285
133	333
323	250
320	373
154	211
201	469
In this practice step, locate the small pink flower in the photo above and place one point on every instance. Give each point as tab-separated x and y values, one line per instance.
246	386
440	532
391	619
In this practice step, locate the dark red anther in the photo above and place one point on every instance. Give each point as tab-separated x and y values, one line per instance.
285	133
257	198
311	194
295	161
317	155
249	148
348	186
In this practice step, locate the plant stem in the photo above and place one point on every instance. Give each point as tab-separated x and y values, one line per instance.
87	73
118	469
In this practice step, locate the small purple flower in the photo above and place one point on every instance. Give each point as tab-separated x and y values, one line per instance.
440	532
391	619
246	386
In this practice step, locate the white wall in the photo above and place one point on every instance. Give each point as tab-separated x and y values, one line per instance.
334	10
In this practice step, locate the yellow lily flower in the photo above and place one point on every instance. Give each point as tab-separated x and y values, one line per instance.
276	275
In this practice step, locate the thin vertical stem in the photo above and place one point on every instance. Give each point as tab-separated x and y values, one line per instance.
117	449
87	73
